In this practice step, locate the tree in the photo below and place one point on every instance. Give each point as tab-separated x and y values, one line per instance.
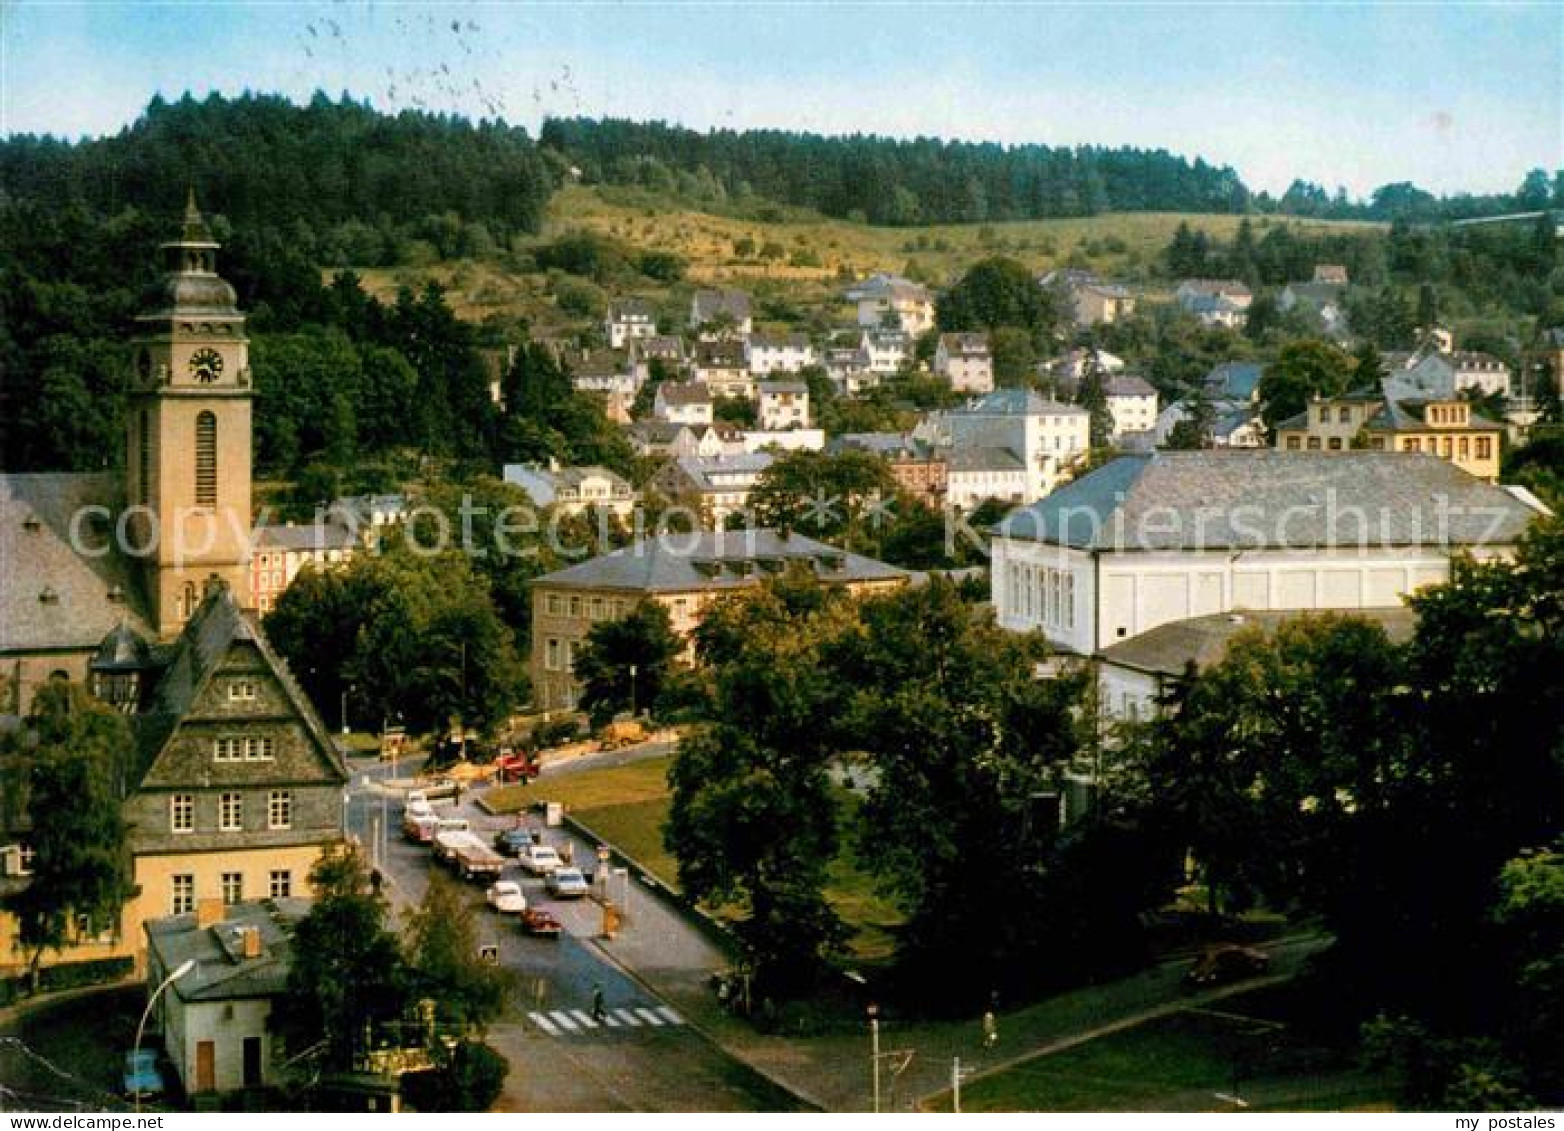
759	769
1302	370
1368	368
625	663
999	292
69	763
967	746
1193	431
443	955
471	1080
347	972
836	497
1093	397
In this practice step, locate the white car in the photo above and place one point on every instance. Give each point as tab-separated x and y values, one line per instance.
506	898
566	883
540	859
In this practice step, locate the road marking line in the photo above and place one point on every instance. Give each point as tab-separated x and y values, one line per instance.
611	1021
581	1016
629	1018
562	1019
544	1023
673	1018
650	1018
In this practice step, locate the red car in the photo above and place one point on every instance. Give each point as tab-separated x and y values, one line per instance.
536	921
520	766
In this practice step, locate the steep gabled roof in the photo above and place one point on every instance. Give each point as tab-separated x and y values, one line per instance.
216	626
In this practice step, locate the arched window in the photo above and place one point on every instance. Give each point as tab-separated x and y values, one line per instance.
206	460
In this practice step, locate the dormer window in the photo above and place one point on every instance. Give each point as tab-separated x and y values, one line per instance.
49	596
241	691
31	524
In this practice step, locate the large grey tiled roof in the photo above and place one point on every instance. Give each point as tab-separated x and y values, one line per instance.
314	537
1165	650
51	596
1016	402
1265	499
723	559
984	459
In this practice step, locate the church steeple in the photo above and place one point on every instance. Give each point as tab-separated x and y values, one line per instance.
189	439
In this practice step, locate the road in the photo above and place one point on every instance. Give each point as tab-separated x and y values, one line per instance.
642	1056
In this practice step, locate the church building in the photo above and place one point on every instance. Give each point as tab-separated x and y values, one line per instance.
138	584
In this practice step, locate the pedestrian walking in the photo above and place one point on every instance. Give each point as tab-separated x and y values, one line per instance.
598	1012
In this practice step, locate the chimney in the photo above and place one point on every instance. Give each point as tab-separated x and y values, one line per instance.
250	942
209	913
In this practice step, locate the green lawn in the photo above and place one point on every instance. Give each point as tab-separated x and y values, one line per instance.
1179	1063
627	806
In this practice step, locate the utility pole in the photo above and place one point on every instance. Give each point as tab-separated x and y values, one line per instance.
874	1051
955	1085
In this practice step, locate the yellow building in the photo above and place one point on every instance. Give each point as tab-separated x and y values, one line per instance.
1445	427
684	573
138	585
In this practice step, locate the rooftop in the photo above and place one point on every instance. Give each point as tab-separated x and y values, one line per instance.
1128	385
1017	402
723	559
313	537
1251	499
222	971
1203	641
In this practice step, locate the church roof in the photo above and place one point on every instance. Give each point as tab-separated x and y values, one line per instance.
55	596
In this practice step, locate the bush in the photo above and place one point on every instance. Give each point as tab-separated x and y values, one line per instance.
578	297
470	1082
67	976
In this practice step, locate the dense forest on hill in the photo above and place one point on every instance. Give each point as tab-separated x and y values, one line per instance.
927	181
340	179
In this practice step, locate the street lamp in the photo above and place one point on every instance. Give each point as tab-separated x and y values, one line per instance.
179	972
874	1051
633	670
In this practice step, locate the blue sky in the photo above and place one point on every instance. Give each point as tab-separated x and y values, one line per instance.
1450	96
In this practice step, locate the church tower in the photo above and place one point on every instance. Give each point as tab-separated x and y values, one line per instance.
187	468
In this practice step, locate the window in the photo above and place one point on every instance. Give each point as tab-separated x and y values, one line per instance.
184	895
1324	416
279	809
1449	448
570	655
241	691
258	749
233	888
551	604
575	606
551	655
1314	443
206	460
1465	447
226	749
1484	447
181	813
1335	443
25	853
144	455
230	812
1345	415
1414	445
280	885
597	608
1294	443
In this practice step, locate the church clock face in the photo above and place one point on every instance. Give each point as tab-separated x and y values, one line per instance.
206	365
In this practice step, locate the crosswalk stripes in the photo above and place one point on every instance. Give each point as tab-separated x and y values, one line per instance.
577	1022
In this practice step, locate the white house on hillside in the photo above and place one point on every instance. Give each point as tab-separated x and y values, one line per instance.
682	402
964	360
778	353
889	301
1048	437
1133	403
782	405
629	320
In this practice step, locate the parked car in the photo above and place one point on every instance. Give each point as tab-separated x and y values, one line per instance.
566	883
540	859
438	789
516	766
512	842
536	921
506	898
420	827
1226	962
142	1076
